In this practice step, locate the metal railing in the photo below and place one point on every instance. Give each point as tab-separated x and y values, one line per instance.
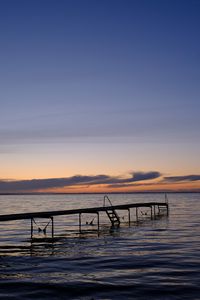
107	199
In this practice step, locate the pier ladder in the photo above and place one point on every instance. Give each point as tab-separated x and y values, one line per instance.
111	212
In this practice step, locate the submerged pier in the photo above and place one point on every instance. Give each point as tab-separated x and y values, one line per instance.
110	210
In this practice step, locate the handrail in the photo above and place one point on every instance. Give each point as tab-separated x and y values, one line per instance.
104	201
166	198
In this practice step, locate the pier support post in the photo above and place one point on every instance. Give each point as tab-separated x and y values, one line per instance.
129	217
154	211
79	222
98	221
167	209
137	214
31	228
151	213
52	227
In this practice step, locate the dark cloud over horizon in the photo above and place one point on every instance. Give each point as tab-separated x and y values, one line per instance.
133	179
78	180
182	178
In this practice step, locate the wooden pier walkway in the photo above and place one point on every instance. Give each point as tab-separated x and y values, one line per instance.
110	210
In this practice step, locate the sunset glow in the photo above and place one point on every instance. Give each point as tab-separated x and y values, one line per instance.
99	88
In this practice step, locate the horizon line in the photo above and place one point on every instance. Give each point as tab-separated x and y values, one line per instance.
102	193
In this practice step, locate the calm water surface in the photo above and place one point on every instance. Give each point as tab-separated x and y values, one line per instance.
152	259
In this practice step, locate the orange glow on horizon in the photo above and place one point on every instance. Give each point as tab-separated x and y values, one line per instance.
151	187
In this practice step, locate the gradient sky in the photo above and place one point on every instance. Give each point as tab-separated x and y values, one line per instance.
99	87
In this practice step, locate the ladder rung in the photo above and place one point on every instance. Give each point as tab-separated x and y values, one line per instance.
113	216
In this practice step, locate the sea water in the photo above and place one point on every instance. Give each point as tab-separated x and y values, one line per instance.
149	259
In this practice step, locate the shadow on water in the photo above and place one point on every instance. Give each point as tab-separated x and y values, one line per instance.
42	245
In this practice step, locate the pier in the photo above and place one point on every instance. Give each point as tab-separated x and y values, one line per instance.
110	210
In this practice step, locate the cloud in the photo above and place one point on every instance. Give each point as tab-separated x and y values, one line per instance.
182	178
133	184
140	176
9	186
36	184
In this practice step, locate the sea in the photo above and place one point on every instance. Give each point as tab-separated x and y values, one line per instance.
146	259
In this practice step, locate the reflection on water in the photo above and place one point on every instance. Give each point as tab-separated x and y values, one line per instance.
152	259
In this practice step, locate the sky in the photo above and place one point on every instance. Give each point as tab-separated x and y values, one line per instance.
99	95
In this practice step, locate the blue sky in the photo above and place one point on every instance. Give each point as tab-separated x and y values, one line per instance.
78	76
